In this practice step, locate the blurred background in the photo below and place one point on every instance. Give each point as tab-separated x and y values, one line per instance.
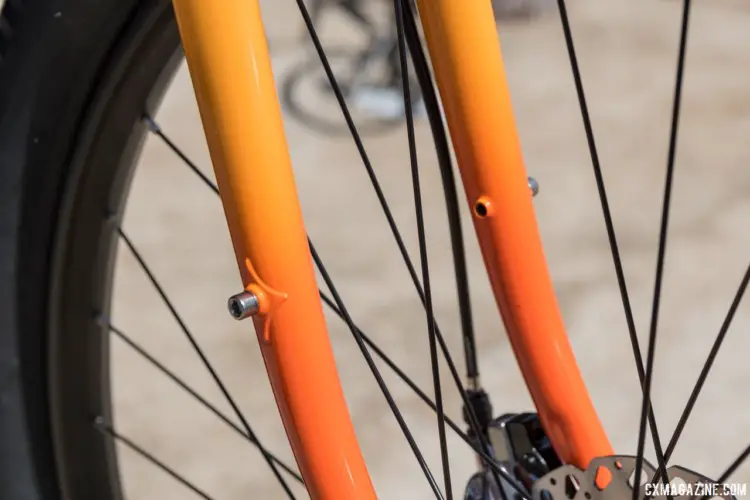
628	54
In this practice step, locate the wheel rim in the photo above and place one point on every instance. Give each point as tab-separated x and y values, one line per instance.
87	221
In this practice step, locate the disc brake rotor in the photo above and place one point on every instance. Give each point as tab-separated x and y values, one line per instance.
612	478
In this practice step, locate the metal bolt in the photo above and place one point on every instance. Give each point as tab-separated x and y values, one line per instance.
534	186
243	305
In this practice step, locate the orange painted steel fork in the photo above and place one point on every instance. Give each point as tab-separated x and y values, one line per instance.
228	58
230	65
465	52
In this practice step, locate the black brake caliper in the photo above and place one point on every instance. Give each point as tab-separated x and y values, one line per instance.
520	445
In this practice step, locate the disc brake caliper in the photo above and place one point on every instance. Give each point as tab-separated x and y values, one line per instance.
520	445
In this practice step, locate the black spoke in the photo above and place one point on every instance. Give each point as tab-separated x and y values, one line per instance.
156	129
481	449
105	428
730	470
178	318
708	364
252	438
375	372
662	244
608	221
735	465
437	126
422	238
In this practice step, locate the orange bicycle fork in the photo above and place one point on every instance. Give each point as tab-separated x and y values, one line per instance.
229	62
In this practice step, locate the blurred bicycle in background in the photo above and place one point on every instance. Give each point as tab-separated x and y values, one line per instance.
369	76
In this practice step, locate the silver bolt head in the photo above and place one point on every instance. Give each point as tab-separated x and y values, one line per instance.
534	186
243	305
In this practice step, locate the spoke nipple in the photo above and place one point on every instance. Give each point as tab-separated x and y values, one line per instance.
243	305
151	124
534	186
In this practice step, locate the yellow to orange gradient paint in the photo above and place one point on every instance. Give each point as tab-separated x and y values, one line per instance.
227	53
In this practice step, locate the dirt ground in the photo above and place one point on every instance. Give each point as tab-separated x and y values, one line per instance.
628	53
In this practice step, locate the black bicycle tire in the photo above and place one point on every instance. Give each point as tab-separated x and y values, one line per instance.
59	59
